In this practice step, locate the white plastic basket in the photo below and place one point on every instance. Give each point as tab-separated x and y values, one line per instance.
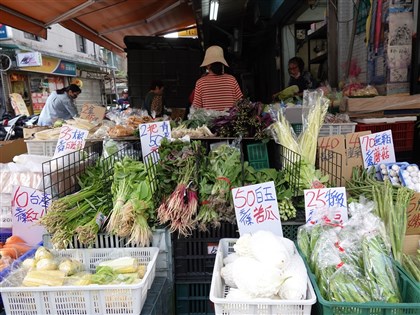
337	129
41	147
89	300
219	290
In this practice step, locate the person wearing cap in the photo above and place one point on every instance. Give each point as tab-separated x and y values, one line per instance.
123	101
216	90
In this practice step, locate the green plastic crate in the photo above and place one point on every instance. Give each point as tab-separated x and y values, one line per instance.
297	128
258	155
409	291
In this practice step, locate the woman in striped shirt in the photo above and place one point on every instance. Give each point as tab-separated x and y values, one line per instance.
216	90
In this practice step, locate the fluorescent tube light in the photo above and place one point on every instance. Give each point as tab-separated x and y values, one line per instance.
214	8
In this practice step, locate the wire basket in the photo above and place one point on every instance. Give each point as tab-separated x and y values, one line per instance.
290	161
60	175
331	163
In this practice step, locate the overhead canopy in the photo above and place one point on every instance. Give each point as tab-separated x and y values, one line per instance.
105	22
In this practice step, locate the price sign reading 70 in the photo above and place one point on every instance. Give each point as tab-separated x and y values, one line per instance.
328	204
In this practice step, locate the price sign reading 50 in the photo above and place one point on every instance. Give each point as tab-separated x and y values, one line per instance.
256	208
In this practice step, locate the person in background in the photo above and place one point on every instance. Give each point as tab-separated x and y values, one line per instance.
124	101
60	105
216	90
298	76
153	101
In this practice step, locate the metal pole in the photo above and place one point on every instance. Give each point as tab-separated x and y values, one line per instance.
353	34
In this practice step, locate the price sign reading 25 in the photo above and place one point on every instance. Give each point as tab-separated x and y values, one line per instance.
256	208
326	203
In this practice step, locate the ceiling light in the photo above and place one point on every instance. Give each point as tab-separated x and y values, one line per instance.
214	8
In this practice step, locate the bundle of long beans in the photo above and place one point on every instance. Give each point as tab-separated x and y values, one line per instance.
391	204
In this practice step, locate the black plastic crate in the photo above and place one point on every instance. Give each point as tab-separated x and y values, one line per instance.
194	256
192	298
159	298
290	229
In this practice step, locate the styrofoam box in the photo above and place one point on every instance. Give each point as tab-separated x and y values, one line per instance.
337	129
41	147
89	300
219	290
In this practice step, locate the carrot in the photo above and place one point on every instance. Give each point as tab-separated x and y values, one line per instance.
8	252
14	239
21	248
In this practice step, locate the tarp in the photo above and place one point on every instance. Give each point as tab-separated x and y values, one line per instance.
105	22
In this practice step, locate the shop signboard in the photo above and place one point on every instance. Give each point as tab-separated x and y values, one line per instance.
70	139
151	135
327	205
93	112
256	208
377	148
3	32
53	65
29	59
28	207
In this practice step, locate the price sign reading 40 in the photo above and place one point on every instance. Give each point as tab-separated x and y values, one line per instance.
329	204
256	208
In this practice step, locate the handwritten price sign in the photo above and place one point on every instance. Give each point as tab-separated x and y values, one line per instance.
70	139
413	215
151	135
256	208
28	207
328	204
377	148
92	112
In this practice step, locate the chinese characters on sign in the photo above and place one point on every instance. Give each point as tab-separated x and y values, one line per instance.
256	208
92	112
413	215
377	148
328	204
28	207
70	139
151	135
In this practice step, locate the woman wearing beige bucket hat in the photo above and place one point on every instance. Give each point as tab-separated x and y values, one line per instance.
216	90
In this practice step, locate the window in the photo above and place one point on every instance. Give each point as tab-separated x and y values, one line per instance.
81	43
31	36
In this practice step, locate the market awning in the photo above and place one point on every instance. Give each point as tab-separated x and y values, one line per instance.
105	22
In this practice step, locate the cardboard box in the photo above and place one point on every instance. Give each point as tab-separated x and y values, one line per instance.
29	132
411	244
338	154
9	149
380	103
413	215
